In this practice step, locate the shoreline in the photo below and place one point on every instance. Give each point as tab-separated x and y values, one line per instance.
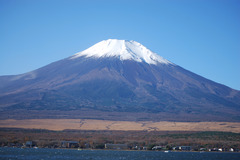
128	150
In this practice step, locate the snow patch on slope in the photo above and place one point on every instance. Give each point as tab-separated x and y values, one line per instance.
123	49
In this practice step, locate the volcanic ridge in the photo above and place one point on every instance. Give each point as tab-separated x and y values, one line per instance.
117	80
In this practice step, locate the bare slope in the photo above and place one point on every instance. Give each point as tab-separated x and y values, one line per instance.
88	124
117	80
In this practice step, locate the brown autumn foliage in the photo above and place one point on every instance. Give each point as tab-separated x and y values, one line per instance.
97	138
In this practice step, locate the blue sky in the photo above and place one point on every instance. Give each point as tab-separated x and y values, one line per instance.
202	36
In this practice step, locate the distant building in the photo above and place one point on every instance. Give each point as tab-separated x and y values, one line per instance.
69	144
116	146
231	150
157	148
213	150
29	144
183	148
203	149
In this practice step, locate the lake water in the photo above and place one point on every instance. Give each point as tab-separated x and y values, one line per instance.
64	154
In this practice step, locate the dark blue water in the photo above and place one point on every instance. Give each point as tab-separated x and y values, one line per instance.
64	154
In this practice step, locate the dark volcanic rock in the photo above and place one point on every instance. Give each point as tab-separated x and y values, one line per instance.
111	88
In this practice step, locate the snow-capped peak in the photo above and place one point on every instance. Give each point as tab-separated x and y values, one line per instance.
123	49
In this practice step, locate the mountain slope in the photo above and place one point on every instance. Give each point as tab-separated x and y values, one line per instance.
117	80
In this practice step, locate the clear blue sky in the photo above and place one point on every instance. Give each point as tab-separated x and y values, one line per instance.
202	36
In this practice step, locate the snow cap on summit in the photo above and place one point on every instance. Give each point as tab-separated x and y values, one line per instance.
123	49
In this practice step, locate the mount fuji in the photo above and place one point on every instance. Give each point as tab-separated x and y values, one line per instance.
117	80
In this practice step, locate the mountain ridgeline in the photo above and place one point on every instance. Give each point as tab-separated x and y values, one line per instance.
117	80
